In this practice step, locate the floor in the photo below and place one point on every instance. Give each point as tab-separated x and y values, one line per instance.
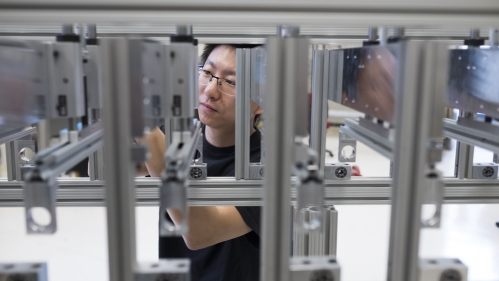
78	251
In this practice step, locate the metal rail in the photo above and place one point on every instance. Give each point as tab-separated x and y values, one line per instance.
231	192
447	13
16	135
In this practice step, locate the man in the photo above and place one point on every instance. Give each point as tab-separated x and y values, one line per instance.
222	241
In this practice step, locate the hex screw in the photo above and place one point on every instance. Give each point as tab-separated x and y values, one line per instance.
261	172
321	275
341	172
488	172
196	173
450	275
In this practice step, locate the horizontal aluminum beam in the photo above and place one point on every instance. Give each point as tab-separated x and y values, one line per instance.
382	145
231	192
17	134
471	136
445	13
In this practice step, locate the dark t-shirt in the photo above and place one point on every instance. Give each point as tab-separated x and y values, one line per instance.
235	259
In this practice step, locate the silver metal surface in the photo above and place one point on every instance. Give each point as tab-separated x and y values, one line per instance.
164	270
243	88
92	78
319	114
17	134
372	34
367	80
493	37
175	180
314	269
198	172
285	82
485	171
256	171
371	138
473	86
442	269
300	238
331	233
419	63
337	171
59	160
23	271
317	239
223	12
345	142
471	136
23	84
119	186
229	192
38	194
66	98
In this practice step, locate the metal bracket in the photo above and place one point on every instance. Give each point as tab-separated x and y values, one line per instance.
485	171
314	269
23	272
434	195
198	172
346	141
337	171
173	195
256	171
164	270
39	193
442	270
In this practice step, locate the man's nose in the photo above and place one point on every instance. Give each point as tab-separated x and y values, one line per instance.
211	90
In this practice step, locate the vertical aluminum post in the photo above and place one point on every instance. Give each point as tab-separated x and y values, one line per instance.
284	80
243	88
464	155
320	89
119	60
417	83
494	37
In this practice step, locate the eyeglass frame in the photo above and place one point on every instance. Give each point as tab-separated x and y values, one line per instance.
219	84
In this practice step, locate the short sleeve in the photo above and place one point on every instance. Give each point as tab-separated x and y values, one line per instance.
251	216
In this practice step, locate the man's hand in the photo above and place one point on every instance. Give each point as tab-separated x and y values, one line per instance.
157	148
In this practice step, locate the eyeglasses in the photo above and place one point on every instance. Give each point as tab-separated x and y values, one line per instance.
225	86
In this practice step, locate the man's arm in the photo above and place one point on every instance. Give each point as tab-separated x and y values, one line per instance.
208	225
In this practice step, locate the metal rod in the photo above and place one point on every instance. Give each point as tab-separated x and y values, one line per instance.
120	196
372	34
67	29
91	31
464	155
320	83
383	35
231	192
332	230
414	90
475	33
494	37
243	70
276	216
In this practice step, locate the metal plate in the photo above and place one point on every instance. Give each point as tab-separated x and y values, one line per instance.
21	84
367	80
473	81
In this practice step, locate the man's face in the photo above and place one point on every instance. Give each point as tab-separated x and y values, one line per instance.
216	109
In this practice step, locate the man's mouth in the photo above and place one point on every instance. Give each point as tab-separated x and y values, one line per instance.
208	107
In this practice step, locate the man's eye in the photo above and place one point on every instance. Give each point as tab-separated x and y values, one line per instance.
230	82
206	72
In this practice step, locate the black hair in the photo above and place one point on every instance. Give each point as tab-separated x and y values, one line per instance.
208	48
